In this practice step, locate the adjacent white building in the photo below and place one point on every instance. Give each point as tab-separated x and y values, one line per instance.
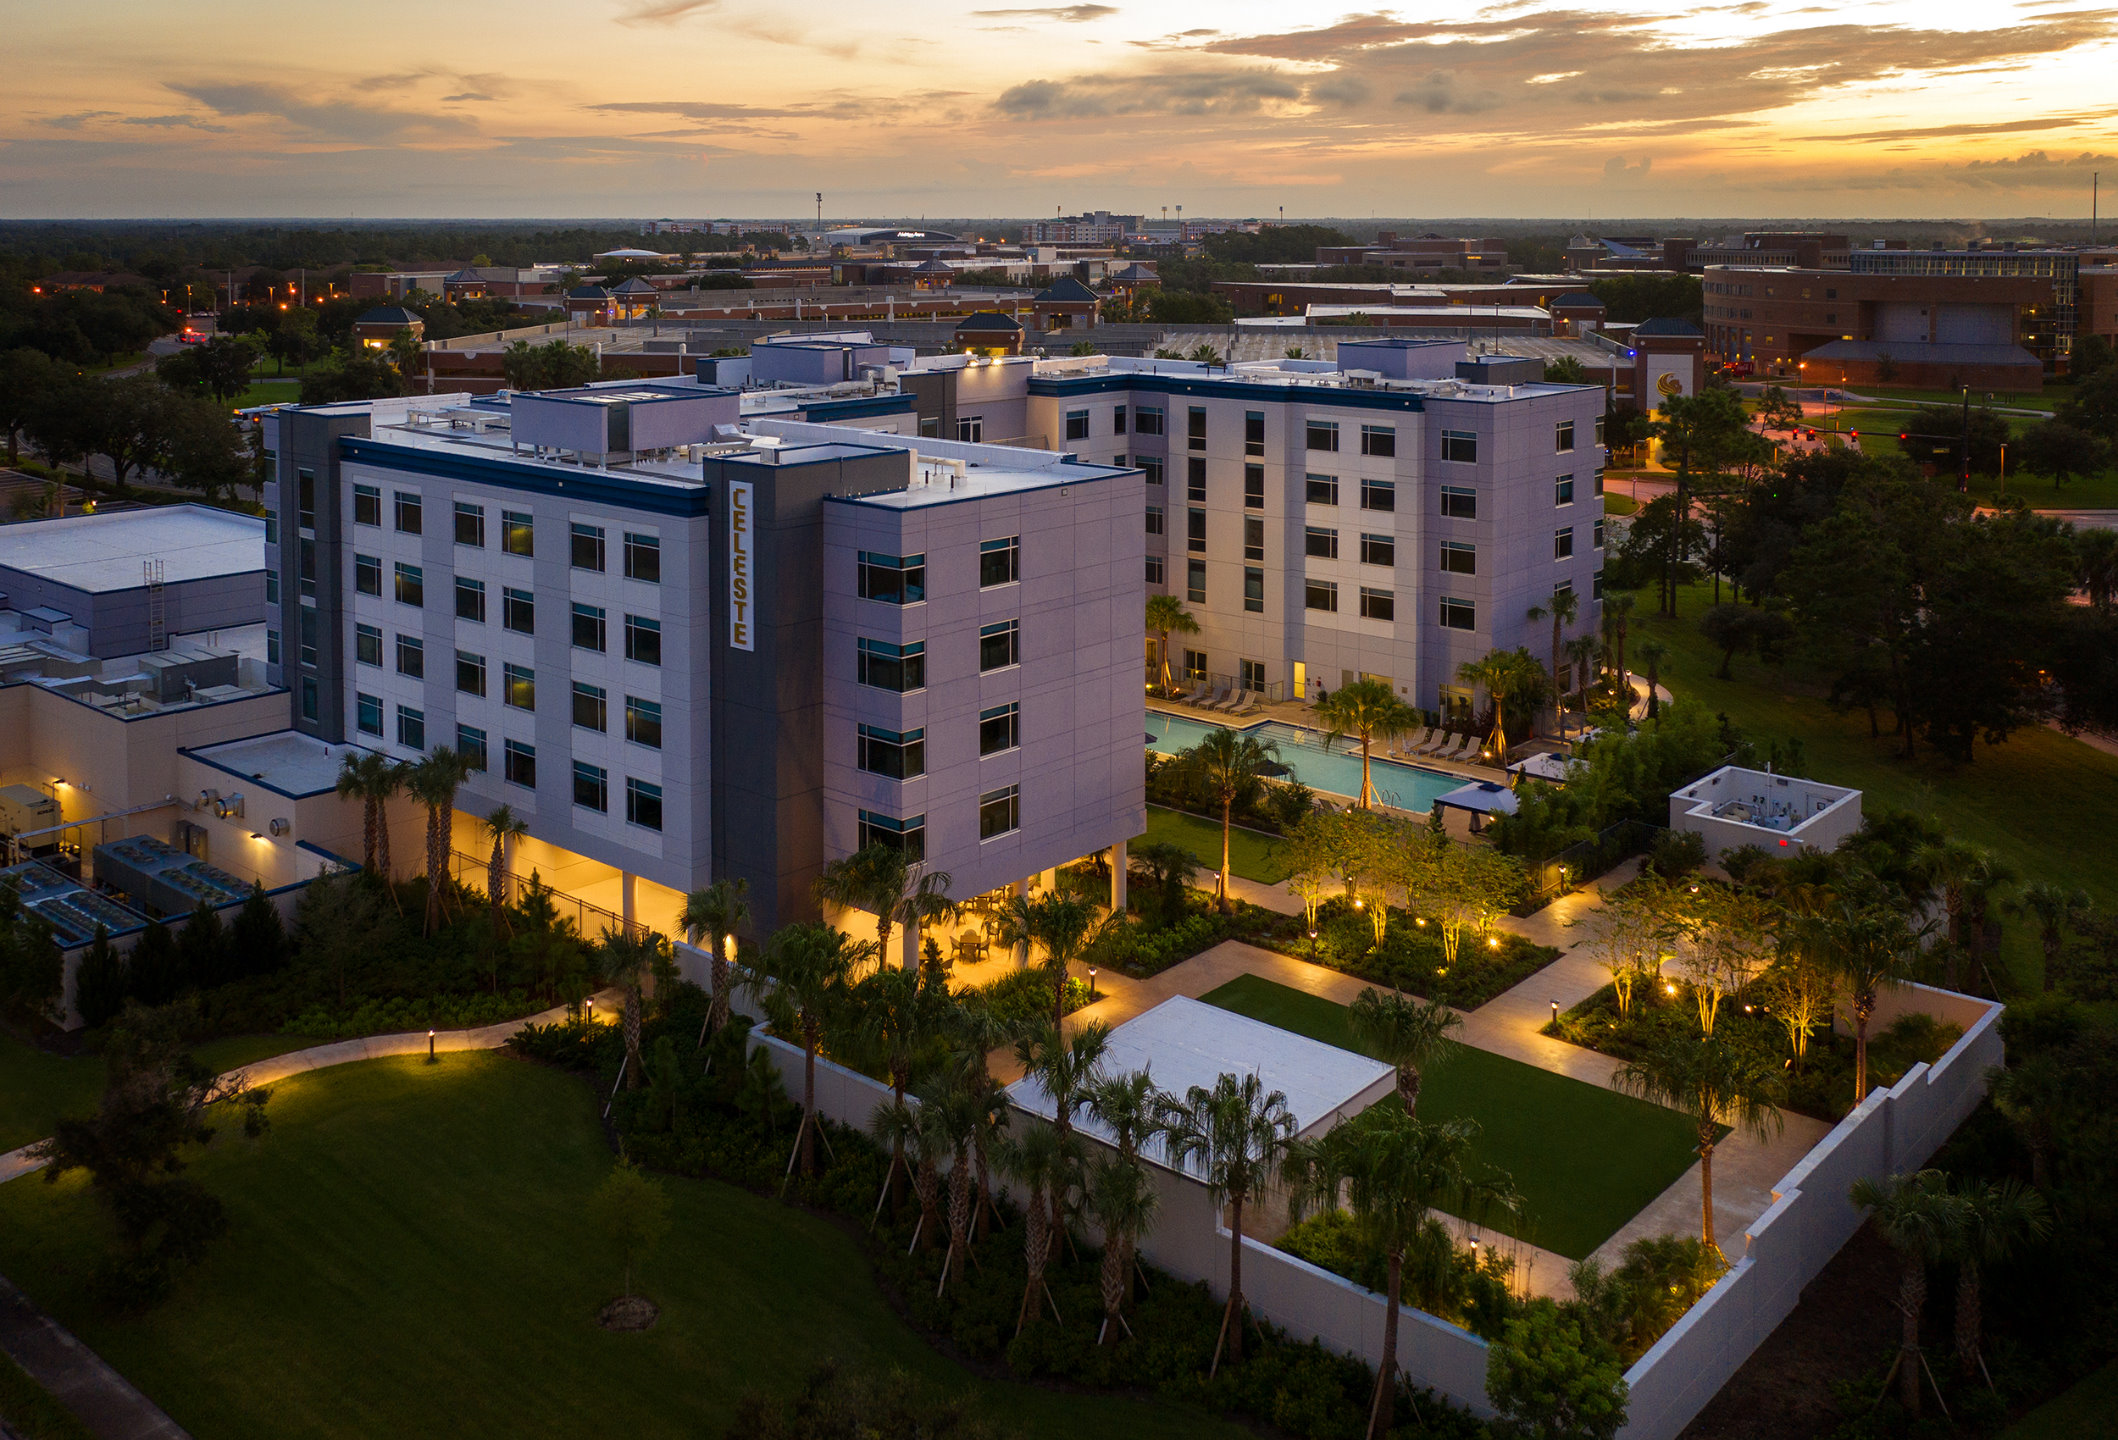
1735	807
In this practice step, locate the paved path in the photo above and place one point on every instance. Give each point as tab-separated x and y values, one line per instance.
99	1397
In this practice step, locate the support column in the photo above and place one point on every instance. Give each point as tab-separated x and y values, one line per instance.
910	956
628	889
1048	880
1117	876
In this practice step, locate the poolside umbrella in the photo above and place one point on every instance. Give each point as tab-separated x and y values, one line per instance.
1272	769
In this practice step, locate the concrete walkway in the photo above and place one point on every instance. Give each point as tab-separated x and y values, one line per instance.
100	1398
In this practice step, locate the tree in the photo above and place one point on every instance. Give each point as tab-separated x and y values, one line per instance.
800	982
1230	769
1803	991
1704	433
1919	1219
32	967
25	376
1652	653
1464	887
1624	933
2096	566
1068	1069
1963	872
1406	1032
1124	1200
503	825
127	422
1998	1218
716	914
2061	451
433	782
204	450
1563	607
902	1017
336	925
2054	909
99	982
1233	1137
631	1210
351	374
1934	436
1566	370
2094	404
1553	1380
1745	629
2033	1095
882	880
1060	923
373	779
1503	674
1172	866
950	1114
625	958
1712	1081
1366	710
1041	1158
293	340
223	365
257	940
1167	616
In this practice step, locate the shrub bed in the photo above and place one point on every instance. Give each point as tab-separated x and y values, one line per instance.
441	1012
1410	957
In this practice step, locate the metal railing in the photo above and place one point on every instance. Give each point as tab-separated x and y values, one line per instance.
593	920
1586	860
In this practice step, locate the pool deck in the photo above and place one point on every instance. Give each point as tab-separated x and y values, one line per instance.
1294	712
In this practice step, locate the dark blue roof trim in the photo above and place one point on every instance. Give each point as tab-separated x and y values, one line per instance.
1314	395
860	406
536	479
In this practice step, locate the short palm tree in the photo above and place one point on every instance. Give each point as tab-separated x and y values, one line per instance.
1581	652
374	779
1230	768
1166	616
901	1018
433	782
1920	1219
1368	711
1964	873
898	1125
1501	674
1043	1159
1409	1033
1124	1200
1068	1069
2032	1095
950	1113
1999	1218
1652	653
625	958
715	914
1233	1137
1562	609
881	880
801	981
2054	909
1712	1082
1060	922
1129	1106
1869	948
502	825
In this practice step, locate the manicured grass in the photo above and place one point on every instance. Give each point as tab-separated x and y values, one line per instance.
37	1087
2084	1410
409	1255
1585	1160
266	390
1251	853
1619	504
2046	399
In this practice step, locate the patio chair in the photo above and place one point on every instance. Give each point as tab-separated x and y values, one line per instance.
1234	701
1214	701
1412	747
1255	703
1468	750
1438	744
1198	693
1245	702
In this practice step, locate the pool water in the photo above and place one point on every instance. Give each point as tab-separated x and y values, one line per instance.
1336	771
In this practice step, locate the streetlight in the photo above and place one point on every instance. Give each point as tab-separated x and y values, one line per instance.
1555	1012
1092	984
432	1058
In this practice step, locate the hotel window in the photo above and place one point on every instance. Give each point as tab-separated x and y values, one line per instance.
1321	489
892	579
305	499
999	812
367	505
1460	446
591	707
309	626
1322	434
1253	432
1458	558
1378	549
521	763
1599	534
1253	487
999	646
410	517
1251	674
643	558
1563	490
367	575
518	687
1457	503
367	714
643	722
1378	440
1077	424
1195	479
643	804
470	673
470	525
1155	520
1195	428
1319	543
591	787
1195	582
1458	614
1195	530
411	657
1194	665
1599	479
1253	538
470	599
643	640
1254	589
470	744
309	697
411	585
908	835
1596	586
586	547
999	729
518	533
1147	420
1320	595
1379	495
1117	420
883	666
1563	436
1599	429
518	610
970	428
589	628
305	564
272	527
1562	543
411	728
272	643
1155	570
999	562
1378	604
1150	467
893	754
367	645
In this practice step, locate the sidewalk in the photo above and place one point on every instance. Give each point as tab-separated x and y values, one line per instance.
99	1397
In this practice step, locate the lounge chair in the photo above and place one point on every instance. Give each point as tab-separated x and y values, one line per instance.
1234	702
1253	701
1213	701
1468	750
1439	743
1198	693
1412	747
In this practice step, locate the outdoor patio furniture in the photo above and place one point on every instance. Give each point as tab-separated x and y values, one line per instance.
1438	744
1213	701
1197	694
1466	749
1242	702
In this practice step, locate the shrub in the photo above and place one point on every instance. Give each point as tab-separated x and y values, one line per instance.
1023	997
1675	853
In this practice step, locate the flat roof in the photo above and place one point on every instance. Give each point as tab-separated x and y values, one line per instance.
102	553
287	760
988	470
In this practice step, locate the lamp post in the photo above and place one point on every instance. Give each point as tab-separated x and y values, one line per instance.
432	1058
1555	1012
1092	984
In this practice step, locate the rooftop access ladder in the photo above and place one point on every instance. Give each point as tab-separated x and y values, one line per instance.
157	619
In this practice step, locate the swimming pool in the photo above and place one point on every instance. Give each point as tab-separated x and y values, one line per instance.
1334	772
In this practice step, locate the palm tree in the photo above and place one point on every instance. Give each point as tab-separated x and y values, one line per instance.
901	1015
898	1125
503	825
1068	1070
1869	948
1124	1200
1238	1134
1502	673
1166	616
1409	1033
1714	1082
1129	1106
1957	868
881	880
1563	607
1999	1217
355	783
1060	922
433	782
1581	653
1230	768
2031	1095
950	1113
625	959
2055	909
1042	1158
1919	1218
1652	653
1392	1170
973	1030
1617	619
800	982
716	913
1370	711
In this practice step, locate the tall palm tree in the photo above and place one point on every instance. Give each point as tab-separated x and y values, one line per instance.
433	782
1042	1158
1068	1069
1999	1218
1403	1031
972	1030
1869	947
1919	1218
1166	616
502	825
1562	608
2054	909
625	958
1366	710
355	782
1129	1106
951	1114
1230	768
1956	868
1392	1170
800	982
895	889
1652	653
716	914
1234	1137
1713	1082
1581	652
1617	620
898	1125
1124	1200
900	1017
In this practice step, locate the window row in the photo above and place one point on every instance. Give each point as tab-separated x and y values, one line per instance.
1374	439
1322	544
885	665
518	610
1374	604
902	754
587	544
591	783
1253	586
999	813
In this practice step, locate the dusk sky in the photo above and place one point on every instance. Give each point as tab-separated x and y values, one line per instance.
716	108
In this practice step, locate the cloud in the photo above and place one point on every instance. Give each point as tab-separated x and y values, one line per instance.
330	120
1205	92
697	109
171	122
77	119
1618	168
1069	14
664	12
1969	127
402	81
464	96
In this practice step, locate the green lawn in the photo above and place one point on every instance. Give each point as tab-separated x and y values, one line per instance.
1252	854
1585	1160
266	390
2047	399
408	1255
2084	1410
37	1087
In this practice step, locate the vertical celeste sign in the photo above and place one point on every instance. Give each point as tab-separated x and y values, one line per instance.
741	577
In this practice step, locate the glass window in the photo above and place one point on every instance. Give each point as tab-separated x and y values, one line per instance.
1596	588
518	533
1378	604
588	627
1320	595
1320	543
272	527
367	644
1599	534
367	505
305	565
470	524
1322	489
1195	428
1460	446
908	835
411	585
411	728
1077	424
521	763
1378	549
892	579
898	755
518	687
367	575
1155	570
1253	538
1563	490
470	599
1117	420
643	722
470	673
999	645
1458	614
1195	529
1562	543
1155	523
409	512
591	707
1599	429
999	812
412	656
1151	467
1147	420
470	744
1322	434
518	610
306	617
309	697
999	562
1253	432
305	499
643	558
1195	581
272	651
643	640
643	804
1599	479
367	714
585	547
1378	439
1458	503
999	728
1253	487
1379	495
1195	479
591	787
970	428
1251	674
1194	665
1458	558
902	668
1254	589
1563	436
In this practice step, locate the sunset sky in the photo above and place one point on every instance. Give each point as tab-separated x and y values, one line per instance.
724	108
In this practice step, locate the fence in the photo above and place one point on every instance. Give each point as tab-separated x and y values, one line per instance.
1585	860
592	920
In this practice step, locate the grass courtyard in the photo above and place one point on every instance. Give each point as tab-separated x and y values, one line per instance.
409	1255
37	1087
1252	854
1585	1160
